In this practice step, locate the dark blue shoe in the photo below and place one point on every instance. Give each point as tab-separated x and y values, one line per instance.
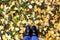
34	35
27	36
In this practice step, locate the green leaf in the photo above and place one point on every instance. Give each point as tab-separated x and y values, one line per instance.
25	17
24	5
12	8
0	33
9	17
20	12
6	26
0	22
0	1
59	19
7	10
7	0
42	6
33	4
50	26
17	19
0	11
15	25
54	10
10	33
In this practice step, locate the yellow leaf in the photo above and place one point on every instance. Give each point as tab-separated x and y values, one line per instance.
35	9
39	10
2	6
4	37
56	16
42	11
1	27
18	23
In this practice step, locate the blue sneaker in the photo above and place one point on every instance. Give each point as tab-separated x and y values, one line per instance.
34	35
27	36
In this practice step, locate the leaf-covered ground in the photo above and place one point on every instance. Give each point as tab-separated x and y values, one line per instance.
16	14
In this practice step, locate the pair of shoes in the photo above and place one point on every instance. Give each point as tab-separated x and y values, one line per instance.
30	33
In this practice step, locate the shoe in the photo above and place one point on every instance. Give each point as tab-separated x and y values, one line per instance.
27	36
34	35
